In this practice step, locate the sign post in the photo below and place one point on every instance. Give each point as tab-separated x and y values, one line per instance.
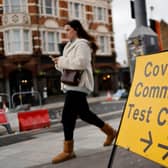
144	125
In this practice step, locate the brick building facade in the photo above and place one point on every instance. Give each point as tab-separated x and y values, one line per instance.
30	31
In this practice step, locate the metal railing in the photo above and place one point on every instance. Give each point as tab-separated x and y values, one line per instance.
33	93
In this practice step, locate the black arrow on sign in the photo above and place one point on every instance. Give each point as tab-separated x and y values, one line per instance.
149	142
164	147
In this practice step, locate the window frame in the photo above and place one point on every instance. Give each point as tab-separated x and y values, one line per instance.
54	8
72	12
23	4
11	50
103	15
107	49
45	41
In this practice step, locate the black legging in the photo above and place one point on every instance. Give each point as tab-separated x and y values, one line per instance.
76	105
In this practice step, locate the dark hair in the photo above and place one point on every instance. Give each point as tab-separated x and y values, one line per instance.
81	32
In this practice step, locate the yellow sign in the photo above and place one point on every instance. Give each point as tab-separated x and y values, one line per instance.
144	126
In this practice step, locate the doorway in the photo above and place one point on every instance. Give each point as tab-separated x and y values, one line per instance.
21	81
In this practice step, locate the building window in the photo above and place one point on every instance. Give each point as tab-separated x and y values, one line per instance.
26	38
104	45
15	6
49	7
76	10
100	14
18	41
50	42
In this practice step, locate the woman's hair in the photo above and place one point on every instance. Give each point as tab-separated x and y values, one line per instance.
81	32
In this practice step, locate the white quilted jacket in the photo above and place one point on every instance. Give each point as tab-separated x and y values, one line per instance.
77	55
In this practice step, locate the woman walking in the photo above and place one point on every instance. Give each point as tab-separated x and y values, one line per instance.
77	55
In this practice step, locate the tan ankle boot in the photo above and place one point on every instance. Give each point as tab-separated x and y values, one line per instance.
66	154
110	132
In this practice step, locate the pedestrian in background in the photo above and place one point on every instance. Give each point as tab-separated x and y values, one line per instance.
78	55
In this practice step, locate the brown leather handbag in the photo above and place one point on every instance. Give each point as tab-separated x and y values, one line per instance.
71	77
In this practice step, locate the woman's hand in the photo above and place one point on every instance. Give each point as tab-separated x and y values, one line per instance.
54	59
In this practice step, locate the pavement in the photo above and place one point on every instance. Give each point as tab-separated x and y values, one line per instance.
35	149
38	150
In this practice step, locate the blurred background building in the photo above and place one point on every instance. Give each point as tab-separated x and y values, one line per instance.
161	28
30	31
